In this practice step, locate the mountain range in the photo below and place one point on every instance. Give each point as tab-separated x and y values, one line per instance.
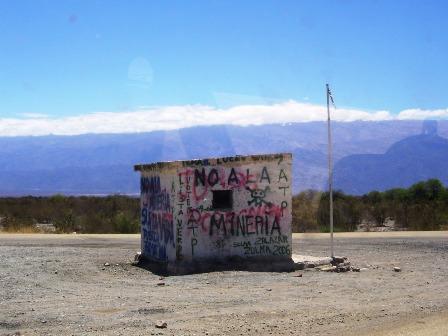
367	155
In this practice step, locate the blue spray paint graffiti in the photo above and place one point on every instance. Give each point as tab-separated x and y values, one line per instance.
156	219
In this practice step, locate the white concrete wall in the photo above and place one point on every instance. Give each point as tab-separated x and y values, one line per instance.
259	224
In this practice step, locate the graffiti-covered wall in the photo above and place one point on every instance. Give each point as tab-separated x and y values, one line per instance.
217	208
156	201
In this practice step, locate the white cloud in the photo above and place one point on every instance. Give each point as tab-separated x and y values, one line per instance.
423	114
174	117
34	115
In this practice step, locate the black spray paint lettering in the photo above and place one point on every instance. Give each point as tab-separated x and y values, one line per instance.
265	175
233	178
194	242
243	225
283	206
284	190
200	177
282	175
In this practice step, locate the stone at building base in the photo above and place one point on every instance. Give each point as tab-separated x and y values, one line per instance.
303	261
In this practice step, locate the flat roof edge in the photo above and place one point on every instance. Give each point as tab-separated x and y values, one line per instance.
212	161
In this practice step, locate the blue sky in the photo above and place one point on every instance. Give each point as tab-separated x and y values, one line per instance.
67	58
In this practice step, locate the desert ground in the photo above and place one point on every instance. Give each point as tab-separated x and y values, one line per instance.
59	285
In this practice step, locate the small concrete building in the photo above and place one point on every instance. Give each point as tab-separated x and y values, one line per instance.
199	213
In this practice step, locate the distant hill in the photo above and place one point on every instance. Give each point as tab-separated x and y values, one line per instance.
415	158
102	163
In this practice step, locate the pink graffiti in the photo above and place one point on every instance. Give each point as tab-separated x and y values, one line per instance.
270	210
167	216
197	218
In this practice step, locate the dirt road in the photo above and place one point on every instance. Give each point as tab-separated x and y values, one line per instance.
58	285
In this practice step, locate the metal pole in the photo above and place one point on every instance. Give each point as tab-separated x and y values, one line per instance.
330	170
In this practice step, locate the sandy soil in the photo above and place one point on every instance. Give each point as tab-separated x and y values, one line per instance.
58	285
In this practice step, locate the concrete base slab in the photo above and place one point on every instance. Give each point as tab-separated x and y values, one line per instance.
253	264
